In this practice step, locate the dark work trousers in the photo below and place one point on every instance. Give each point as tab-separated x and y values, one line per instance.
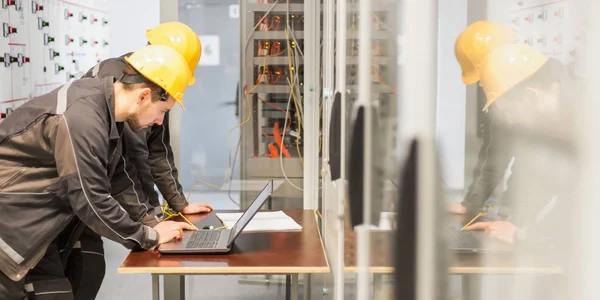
85	266
12	290
77	278
47	280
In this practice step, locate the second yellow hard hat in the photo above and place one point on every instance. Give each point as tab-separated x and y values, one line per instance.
475	42
507	66
181	38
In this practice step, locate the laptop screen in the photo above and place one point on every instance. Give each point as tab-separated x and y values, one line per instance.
251	211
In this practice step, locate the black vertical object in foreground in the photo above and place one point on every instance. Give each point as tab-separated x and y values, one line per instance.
405	250
405	246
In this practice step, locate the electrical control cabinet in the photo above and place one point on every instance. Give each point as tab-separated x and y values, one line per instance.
551	26
272	93
46	43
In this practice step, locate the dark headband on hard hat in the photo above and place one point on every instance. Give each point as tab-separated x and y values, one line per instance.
137	78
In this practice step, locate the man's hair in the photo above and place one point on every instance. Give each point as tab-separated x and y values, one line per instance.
155	90
553	71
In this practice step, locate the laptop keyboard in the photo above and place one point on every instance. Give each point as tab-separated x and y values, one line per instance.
204	239
463	239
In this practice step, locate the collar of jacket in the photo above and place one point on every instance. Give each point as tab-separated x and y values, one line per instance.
109	92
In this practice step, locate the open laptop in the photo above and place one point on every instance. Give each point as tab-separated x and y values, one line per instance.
218	240
475	241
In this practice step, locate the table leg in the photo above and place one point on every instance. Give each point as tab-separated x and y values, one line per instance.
471	287
307	287
155	287
294	287
174	287
288	287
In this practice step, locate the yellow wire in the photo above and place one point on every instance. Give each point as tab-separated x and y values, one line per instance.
480	214
472	220
292	83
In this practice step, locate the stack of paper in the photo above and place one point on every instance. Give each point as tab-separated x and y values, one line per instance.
262	221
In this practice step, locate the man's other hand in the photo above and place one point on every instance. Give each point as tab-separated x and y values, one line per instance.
196	208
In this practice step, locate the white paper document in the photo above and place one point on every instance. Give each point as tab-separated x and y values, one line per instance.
262	221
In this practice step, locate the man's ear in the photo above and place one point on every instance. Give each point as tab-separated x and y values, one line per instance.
144	94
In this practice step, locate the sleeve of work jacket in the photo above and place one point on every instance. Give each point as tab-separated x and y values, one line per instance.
126	189
81	148
489	172
162	165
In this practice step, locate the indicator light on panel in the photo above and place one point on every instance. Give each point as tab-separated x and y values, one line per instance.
528	41
35	7
542	41
5	59
529	18
559	13
515	21
53	54
82	41
82	17
8	30
15	3
93	19
104	21
48	39
21	59
70	76
94	42
104	44
543	16
58	68
520	3
68	39
68	14
42	23
558	39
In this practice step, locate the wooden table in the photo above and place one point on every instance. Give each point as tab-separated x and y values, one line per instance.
470	266
289	252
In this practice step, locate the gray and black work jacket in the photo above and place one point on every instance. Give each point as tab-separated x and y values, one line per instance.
149	150
58	155
494	157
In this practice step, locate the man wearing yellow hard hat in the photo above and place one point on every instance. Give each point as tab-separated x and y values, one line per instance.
60	154
149	160
471	48
530	92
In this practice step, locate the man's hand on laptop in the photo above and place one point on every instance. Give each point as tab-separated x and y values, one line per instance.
196	208
501	230
169	230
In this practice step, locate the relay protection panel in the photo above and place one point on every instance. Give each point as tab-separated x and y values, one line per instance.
46	43
552	26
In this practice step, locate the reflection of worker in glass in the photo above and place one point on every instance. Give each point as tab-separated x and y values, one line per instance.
527	90
471	47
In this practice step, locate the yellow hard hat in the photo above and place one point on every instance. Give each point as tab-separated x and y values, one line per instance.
506	67
163	66
181	38
475	42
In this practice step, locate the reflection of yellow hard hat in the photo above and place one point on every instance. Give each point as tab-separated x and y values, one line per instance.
181	38
506	67
163	66
475	42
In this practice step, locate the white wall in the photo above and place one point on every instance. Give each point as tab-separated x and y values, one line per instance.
129	21
451	108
